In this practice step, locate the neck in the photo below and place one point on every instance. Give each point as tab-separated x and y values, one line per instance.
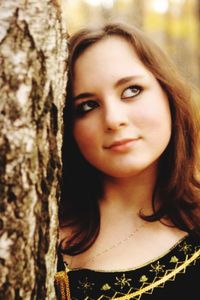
133	194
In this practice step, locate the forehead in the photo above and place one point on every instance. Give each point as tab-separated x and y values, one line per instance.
107	60
109	47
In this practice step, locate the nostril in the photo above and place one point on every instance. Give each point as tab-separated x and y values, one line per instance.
115	126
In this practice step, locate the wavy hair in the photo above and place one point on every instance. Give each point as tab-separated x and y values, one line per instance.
177	184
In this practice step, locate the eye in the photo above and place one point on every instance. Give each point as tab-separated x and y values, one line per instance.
131	91
85	107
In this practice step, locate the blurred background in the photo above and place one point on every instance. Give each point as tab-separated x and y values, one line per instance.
173	24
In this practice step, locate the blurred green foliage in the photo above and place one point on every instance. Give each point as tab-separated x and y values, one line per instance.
173	24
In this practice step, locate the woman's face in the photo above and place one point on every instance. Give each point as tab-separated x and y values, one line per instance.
122	119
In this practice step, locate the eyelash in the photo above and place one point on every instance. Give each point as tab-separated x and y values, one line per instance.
92	104
81	111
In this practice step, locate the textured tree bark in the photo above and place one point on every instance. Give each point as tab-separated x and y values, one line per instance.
32	89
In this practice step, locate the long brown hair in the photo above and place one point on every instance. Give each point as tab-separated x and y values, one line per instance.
177	184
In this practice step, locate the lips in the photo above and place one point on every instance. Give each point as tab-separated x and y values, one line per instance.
121	144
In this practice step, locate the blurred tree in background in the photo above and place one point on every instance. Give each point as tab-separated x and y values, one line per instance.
173	24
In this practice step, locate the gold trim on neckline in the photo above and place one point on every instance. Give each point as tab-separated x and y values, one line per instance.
161	280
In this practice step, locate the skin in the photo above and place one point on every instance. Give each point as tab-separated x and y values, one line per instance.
117	98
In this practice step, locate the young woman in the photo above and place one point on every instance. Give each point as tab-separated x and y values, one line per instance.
129	211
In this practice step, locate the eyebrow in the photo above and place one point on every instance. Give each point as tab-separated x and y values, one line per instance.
83	95
127	79
121	81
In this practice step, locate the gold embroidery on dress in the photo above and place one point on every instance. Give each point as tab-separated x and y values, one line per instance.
157	268
169	275
143	278
173	259
122	281
185	248
146	287
105	287
85	284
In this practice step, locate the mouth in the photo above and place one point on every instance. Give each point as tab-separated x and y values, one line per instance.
120	145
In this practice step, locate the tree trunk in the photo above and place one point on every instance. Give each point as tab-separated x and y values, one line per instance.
32	88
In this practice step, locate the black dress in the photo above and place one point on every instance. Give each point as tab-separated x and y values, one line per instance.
174	275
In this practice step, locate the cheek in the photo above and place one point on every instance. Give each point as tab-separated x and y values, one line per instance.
85	135
155	119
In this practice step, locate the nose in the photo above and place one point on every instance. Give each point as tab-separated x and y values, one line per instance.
115	116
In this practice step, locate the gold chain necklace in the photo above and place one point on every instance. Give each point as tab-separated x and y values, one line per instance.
115	245
62	279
